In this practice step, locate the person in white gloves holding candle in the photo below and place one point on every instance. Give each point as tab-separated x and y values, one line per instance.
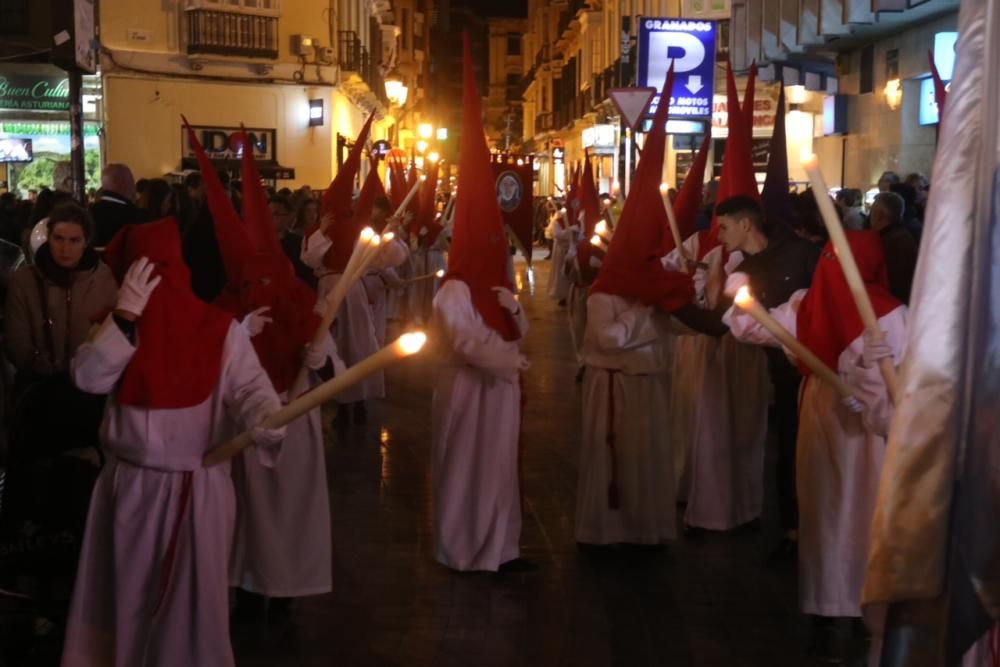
476	410
152	584
840	441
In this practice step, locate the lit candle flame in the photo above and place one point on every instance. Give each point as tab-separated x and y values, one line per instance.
375	240
595	240
366	234
388	236
440	273
663	188
411	343
808	159
601	228
743	298
562	210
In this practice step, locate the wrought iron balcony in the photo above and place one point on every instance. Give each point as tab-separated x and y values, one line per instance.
231	34
355	59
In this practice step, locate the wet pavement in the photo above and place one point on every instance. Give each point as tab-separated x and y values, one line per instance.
708	601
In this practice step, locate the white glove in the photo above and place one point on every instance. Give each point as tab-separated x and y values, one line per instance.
853	404
137	286
267	437
875	350
507	300
595	261
734	282
522	363
254	322
699	278
314	357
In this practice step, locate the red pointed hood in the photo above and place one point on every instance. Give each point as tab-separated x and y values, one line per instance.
233	243
268	279
336	201
478	255
397	182
632	268
748	99
737	163
828	319
428	206
338	195
775	200
180	338
687	205
371	190
591	207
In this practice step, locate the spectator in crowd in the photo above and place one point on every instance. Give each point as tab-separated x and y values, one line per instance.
897	243
807	222
183	209
50	308
115	209
912	219
140	190
157	192
306	215
195	188
922	187
291	242
849	204
46	201
887	180
32	195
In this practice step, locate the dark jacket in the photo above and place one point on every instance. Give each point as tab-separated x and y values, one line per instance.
112	212
900	259
291	243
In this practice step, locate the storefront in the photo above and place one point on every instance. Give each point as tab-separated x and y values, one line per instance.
34	128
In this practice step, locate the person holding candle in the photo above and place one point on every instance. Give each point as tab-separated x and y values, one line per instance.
327	248
840	441
152	585
476	409
777	264
625	488
564	236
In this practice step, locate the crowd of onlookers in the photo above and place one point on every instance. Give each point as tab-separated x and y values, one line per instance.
55	289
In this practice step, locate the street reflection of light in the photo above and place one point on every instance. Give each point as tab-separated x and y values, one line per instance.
384	471
384	436
518	283
530	272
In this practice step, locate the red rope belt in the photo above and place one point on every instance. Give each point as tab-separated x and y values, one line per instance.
610	438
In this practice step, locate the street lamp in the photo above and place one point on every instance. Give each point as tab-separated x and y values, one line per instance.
425	130
395	89
421	146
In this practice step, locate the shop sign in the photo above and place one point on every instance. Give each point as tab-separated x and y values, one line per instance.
764	109
223	143
27	92
45	129
688	45
599	137
558	154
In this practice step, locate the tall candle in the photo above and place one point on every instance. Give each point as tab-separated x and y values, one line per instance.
409	195
857	286
747	303
404	346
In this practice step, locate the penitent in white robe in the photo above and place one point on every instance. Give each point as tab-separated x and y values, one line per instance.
354	328
475	417
627	350
577	311
724	386
838	463
558	281
281	546
137	506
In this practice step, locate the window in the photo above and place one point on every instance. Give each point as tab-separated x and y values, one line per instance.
513	44
267	7
867	71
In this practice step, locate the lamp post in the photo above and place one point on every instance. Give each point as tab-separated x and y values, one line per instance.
396	91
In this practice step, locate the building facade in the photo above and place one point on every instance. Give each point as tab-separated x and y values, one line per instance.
504	106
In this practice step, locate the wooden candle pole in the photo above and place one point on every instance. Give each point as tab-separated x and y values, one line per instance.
803	353
857	286
404	346
675	229
426	276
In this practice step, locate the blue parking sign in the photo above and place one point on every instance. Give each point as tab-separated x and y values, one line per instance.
690	45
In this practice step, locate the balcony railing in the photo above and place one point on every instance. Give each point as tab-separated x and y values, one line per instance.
231	34
354	57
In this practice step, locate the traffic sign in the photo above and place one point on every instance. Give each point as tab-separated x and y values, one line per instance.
632	102
690	46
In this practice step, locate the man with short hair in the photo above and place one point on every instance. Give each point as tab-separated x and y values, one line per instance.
777	263
898	244
115	208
